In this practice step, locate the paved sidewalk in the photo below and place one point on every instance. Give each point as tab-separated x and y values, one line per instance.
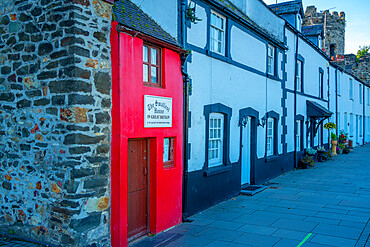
328	205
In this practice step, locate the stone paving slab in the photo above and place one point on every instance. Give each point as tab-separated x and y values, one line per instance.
331	201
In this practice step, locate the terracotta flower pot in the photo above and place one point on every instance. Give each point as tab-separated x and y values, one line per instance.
334	147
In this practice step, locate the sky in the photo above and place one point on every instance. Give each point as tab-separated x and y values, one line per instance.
357	19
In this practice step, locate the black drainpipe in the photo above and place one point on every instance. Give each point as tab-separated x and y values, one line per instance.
336	99
328	69
363	113
295	102
182	39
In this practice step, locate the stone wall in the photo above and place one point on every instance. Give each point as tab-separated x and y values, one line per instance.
55	101
360	69
335	28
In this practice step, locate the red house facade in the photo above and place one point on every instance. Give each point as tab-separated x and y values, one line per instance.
147	115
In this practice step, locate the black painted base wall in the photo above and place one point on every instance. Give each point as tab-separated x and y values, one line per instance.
271	169
206	191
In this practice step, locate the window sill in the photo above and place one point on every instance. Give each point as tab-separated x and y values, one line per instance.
273	77
271	158
211	171
156	85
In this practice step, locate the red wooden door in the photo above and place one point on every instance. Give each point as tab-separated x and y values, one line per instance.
138	192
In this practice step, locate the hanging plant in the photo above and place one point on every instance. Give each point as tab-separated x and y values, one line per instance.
330	126
190	14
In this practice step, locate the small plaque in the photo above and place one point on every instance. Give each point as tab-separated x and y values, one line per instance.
157	112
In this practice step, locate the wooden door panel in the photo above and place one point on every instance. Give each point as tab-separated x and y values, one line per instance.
137	212
138	165
138	191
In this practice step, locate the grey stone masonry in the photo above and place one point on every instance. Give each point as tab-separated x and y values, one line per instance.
334	29
55	123
360	68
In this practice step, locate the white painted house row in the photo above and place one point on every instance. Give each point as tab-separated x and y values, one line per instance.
257	93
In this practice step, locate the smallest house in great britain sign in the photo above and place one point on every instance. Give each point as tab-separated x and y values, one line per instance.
157	111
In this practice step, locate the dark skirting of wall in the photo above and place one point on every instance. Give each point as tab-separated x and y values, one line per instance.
273	168
206	191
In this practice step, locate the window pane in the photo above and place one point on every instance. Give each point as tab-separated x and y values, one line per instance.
154	75
219	35
145	53
166	149
154	54
213	19
219	47
145	73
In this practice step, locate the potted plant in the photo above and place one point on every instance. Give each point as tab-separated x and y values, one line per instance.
339	150
328	155
320	154
343	137
331	126
306	161
334	143
350	146
310	151
342	148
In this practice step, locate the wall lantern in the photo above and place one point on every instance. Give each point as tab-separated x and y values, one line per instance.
243	121
262	122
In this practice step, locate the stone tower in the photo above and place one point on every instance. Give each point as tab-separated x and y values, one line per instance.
334	29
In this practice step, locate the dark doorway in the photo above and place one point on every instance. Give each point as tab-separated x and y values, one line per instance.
138	188
332	50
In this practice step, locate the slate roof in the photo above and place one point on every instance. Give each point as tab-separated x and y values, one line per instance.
288	7
131	16
313	30
315	110
231	7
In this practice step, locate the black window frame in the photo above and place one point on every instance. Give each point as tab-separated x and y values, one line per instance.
274	115
274	64
226	164
321	83
301	119
302	60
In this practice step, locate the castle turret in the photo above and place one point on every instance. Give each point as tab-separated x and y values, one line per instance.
334	29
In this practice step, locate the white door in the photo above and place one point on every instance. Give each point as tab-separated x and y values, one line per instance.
246	153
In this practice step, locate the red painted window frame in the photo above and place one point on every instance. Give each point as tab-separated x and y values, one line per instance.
169	163
149	63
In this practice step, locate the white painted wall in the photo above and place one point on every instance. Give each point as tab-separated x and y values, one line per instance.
197	33
265	18
237	89
346	105
248	50
290	65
